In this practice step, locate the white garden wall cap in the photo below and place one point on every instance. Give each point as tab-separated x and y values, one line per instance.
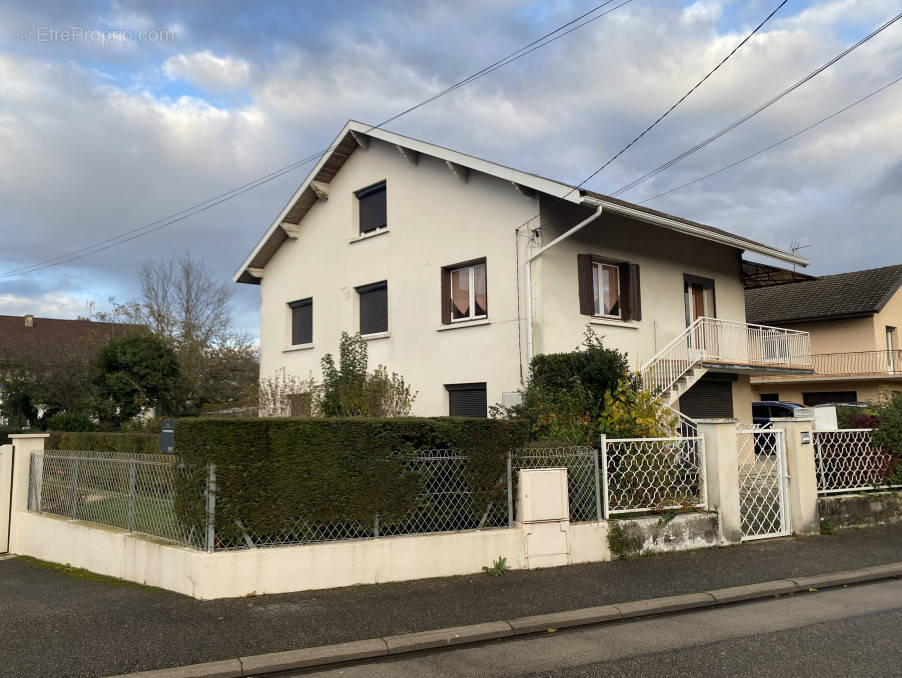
355	134
458	635
314	656
25	436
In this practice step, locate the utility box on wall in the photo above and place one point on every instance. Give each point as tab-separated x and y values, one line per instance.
167	436
542	495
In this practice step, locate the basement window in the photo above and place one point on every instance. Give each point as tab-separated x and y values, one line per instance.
467	400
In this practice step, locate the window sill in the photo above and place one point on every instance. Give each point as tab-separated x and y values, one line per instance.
297	347
367	236
613	322
375	335
463	323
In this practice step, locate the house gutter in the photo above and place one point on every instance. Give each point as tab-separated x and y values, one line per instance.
528	273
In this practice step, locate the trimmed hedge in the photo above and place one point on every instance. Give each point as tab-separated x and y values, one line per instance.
273	473
133	443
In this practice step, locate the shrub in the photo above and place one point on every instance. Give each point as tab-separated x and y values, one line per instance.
888	435
130	443
70	422
855	417
272	474
630	412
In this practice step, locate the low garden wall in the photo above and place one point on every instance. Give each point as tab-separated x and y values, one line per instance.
660	534
859	510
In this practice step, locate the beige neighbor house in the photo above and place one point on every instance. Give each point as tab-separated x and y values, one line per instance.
853	319
457	270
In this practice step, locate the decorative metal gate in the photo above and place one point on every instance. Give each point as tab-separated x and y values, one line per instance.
763	483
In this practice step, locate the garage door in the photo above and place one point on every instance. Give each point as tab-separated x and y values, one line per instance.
710	397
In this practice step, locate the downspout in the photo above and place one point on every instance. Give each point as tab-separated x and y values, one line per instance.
528	276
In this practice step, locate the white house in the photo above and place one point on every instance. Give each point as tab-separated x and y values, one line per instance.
457	270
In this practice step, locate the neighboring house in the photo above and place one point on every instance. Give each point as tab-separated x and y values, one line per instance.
854	320
33	338
458	270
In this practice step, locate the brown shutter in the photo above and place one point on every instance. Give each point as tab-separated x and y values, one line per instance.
586	293
446	297
630	297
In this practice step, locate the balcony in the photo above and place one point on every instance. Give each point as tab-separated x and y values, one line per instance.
864	364
726	345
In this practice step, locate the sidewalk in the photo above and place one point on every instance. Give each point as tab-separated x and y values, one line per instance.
60	624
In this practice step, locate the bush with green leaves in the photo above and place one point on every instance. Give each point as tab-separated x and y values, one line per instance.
888	435
275	474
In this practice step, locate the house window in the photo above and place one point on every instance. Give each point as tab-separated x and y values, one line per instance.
371	208
464	294
769	396
813	398
608	289
301	321
467	400
373	308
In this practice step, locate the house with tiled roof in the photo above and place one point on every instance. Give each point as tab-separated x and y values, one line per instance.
853	320
32	338
457	271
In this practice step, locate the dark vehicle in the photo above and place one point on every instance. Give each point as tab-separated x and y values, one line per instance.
765	410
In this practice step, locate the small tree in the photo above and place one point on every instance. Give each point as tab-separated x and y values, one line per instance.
285	395
632	412
133	374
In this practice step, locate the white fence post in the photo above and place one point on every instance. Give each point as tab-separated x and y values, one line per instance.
604	477
722	474
800	466
210	541
23	445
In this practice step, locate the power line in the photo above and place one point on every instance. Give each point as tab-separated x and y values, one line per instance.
663	115
181	215
754	112
774	145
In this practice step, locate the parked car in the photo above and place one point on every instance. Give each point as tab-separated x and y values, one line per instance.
765	410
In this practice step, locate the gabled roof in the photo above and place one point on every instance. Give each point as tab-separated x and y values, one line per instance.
844	295
355	135
53	337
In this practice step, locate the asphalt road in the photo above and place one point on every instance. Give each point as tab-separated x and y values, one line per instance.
842	632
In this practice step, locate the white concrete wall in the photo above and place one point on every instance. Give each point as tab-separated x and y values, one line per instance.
135	558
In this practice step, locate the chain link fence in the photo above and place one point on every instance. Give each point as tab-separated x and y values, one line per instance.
653	474
583	482
847	460
134	493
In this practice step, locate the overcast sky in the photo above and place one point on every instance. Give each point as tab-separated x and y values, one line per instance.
102	133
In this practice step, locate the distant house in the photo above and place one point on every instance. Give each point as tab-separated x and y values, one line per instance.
853	320
31	338
457	271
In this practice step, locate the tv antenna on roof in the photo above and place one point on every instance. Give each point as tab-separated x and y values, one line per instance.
795	246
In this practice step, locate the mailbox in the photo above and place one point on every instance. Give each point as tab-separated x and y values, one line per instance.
167	436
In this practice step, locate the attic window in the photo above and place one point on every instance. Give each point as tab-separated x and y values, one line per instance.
371	208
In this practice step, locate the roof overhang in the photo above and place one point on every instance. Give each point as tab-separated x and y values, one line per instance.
356	135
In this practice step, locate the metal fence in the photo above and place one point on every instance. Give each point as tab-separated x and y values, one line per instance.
141	493
134	493
653	474
847	460
583	482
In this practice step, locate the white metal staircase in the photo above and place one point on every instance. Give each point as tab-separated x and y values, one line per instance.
711	341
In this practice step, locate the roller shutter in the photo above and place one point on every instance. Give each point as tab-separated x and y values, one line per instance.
708	399
467	400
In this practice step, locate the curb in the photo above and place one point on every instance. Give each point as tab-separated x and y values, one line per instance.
328	655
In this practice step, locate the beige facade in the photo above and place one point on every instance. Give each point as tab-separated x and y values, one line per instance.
850	355
440	214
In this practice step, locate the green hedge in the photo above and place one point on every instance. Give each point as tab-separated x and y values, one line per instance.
140	443
272	473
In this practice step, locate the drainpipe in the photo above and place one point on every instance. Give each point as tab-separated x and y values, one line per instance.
528	276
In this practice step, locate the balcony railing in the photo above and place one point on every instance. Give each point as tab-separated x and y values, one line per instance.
854	364
713	340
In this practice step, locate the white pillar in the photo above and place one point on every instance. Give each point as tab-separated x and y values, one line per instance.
803	515
722	468
23	445
6	468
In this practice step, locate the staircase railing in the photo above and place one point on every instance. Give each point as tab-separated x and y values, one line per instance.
726	341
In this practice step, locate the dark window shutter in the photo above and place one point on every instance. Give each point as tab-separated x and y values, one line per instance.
630	299
467	400
708	398
373	308
446	297
586	291
372	208
301	321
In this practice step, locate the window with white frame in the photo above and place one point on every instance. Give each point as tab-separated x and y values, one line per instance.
606	285
465	296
